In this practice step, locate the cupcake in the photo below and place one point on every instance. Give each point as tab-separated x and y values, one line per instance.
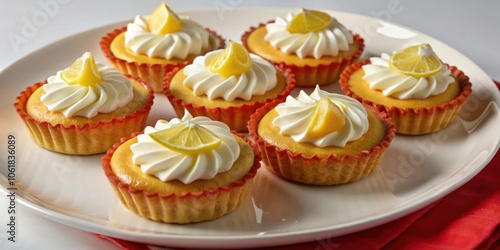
182	171
85	108
322	138
420	93
312	43
153	45
227	85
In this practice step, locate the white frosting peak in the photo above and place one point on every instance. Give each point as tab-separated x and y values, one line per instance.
166	164
295	113
380	76
327	42
71	100
191	39
260	78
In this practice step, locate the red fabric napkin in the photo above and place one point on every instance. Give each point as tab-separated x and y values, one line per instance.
468	218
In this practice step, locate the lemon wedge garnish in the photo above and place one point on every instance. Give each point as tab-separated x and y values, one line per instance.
234	60
163	21
309	21
327	118
189	138
417	60
83	71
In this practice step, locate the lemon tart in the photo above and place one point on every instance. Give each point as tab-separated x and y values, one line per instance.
85	108
322	138
153	45
312	43
227	85
418	91
184	170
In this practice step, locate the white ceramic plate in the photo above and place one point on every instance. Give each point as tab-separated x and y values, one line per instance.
416	170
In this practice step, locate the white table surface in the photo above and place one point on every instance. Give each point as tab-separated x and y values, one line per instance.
470	27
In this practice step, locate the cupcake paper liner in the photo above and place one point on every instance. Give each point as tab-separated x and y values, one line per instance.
86	139
310	76
420	120
151	73
236	117
181	208
317	170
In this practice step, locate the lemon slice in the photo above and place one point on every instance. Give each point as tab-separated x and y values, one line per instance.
418	61
83	71
234	60
187	138
163	21
327	118
309	21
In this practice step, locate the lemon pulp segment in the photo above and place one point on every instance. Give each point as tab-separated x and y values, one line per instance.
163	21
327	118
187	138
234	60
83	71
417	60
309	21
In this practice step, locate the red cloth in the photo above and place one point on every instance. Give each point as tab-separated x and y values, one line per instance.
468	218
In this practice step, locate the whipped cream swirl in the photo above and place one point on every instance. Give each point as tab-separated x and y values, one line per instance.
294	115
191	39
380	76
327	42
166	164
115	91
260	78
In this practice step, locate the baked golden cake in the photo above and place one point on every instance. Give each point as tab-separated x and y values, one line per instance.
322	138
85	108
420	93
312	43
153	45
227	85
182	171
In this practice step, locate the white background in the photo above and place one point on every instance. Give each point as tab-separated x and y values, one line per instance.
471	27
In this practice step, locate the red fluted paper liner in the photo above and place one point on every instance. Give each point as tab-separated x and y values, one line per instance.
86	139
417	121
322	74
317	170
151	73
236	117
183	208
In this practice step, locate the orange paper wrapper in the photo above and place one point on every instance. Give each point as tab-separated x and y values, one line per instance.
153	74
86	139
181	208
323	74
420	120
318	170
236	117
